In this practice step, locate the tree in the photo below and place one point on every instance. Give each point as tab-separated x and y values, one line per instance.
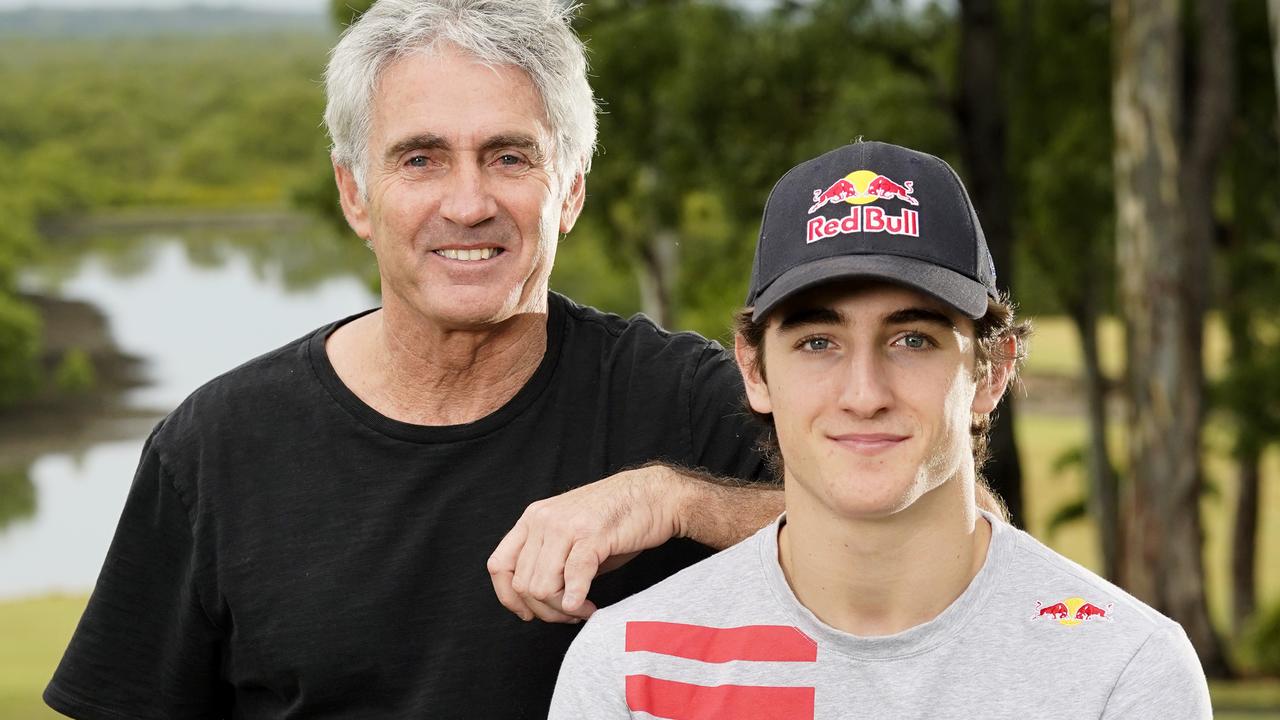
1249	394
1062	141
1165	399
981	112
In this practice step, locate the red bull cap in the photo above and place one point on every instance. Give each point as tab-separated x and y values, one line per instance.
872	210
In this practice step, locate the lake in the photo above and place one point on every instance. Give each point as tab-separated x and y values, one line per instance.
191	302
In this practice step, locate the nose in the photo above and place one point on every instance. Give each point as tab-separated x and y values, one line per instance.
467	198
866	390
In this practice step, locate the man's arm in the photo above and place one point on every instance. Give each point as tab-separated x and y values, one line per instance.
544	566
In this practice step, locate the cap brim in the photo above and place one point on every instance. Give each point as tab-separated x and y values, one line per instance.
962	293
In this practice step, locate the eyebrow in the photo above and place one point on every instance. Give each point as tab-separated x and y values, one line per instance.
424	141
818	315
919	314
811	316
431	141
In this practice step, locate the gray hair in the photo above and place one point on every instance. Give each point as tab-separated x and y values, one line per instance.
534	35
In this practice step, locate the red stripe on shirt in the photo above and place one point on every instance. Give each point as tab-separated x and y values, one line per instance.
760	643
681	701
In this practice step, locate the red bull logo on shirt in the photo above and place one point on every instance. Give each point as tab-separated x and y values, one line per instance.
860	188
1072	611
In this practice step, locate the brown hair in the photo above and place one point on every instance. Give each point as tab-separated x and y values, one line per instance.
991	333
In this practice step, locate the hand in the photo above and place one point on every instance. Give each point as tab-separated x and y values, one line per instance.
544	566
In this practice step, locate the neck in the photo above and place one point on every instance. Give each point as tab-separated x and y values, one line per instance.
416	371
881	576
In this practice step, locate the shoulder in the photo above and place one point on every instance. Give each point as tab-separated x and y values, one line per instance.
248	396
726	588
1088	597
1045	603
637	334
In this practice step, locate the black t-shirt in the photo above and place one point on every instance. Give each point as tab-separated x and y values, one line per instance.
288	552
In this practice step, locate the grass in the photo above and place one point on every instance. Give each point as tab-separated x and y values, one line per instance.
33	634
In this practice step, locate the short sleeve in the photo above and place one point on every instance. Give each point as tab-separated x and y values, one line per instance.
144	648
1164	679
589	684
723	434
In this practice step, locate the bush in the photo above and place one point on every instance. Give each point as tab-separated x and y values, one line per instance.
75	374
19	350
1262	641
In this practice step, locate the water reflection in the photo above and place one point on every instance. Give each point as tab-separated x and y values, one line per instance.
17	496
192	302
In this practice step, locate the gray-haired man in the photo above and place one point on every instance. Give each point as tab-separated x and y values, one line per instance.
313	534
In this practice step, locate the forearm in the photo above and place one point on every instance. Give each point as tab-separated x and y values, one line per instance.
716	511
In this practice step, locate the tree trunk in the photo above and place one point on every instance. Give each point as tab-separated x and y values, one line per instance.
1211	108
656	273
1244	541
1248	450
982	114
1274	6
1104	496
1165	397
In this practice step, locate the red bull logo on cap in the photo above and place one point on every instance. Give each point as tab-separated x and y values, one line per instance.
859	188
1072	611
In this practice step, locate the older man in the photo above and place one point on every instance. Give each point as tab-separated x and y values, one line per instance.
313	534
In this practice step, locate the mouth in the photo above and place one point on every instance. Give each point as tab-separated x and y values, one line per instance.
469	254
869	443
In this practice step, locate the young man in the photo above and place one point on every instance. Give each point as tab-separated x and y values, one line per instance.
877	346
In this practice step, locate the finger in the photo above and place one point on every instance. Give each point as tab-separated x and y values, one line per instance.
501	566
505	555
579	570
526	562
509	598
547	574
551	613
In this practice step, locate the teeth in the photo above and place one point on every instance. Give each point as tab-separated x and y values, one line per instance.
469	255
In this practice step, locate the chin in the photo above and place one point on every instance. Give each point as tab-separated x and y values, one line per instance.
852	499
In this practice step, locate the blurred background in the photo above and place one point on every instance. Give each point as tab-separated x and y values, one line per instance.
167	212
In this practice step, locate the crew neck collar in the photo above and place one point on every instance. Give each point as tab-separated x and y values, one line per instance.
912	641
557	316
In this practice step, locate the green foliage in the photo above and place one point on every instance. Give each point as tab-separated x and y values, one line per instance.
345	12
75	373
17	496
19	350
1262	642
1061	139
160	121
696	130
1071	512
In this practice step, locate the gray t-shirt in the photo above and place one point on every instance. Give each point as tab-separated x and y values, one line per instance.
1033	636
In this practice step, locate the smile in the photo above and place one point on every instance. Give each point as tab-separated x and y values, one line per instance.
869	443
472	255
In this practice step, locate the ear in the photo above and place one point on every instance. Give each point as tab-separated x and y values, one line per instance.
991	388
572	206
757	388
354	208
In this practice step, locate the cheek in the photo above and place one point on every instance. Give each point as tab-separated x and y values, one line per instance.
957	407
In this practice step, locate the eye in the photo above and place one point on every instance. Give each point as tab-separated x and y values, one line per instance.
417	161
814	344
510	160
916	341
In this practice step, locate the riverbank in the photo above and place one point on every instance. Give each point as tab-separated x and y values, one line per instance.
55	419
